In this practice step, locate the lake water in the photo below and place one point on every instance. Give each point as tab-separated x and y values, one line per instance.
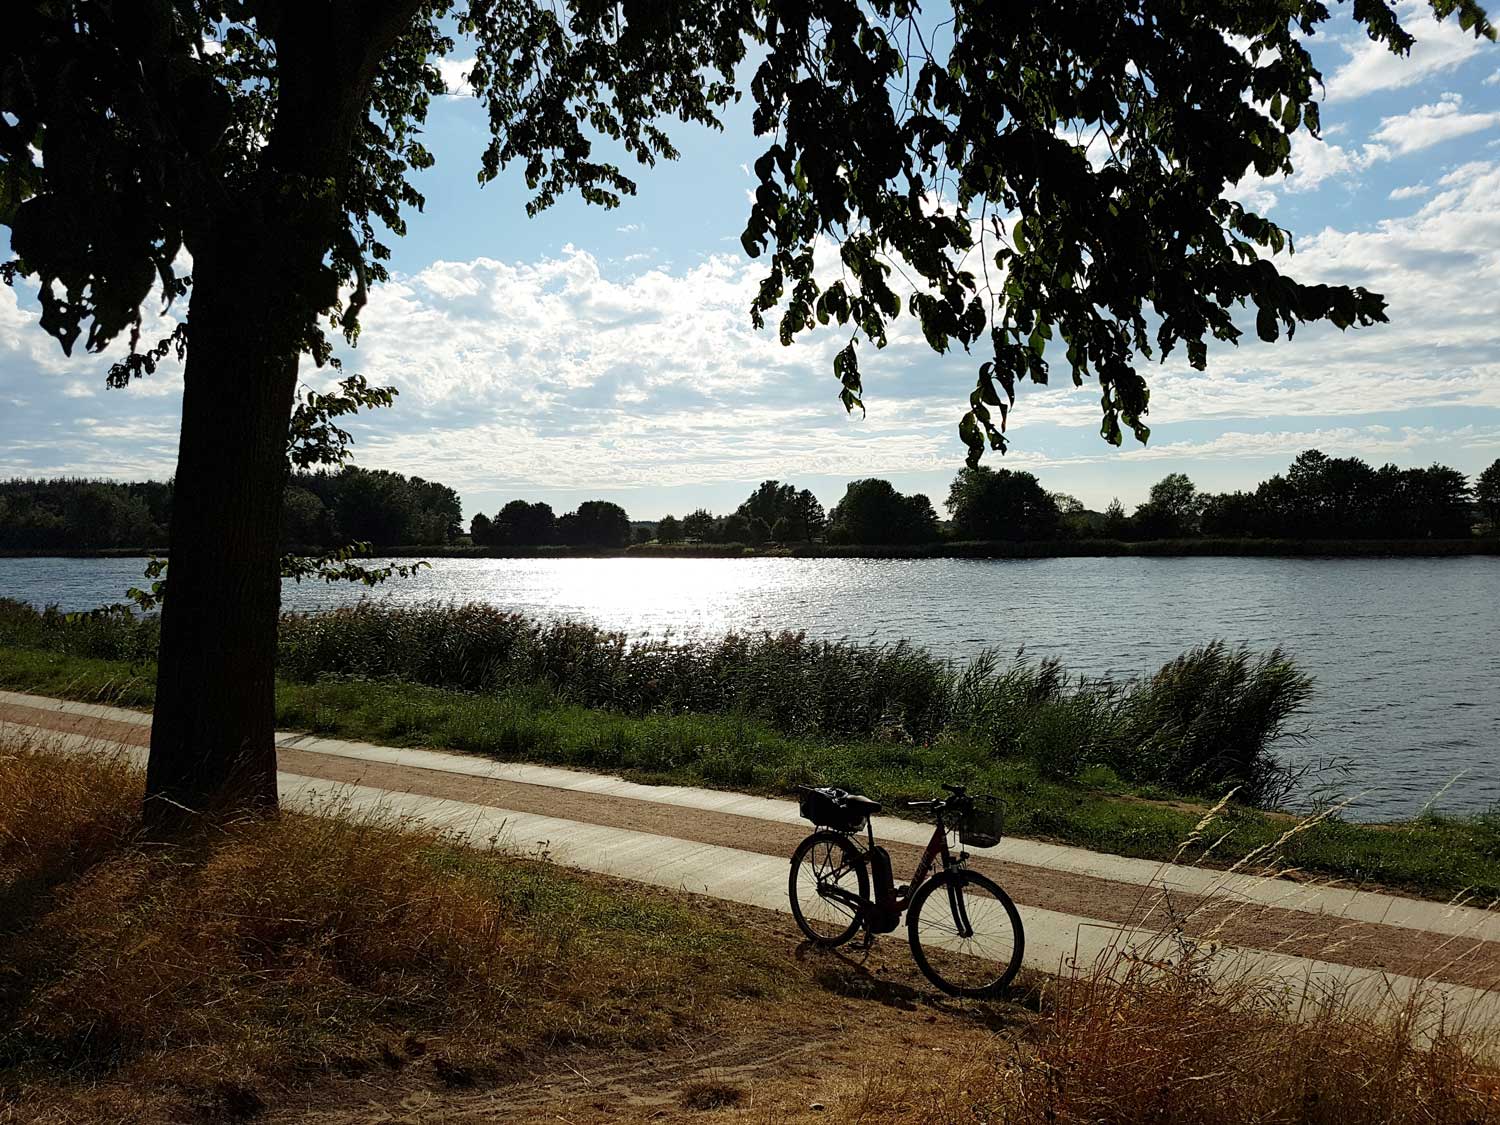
1404	650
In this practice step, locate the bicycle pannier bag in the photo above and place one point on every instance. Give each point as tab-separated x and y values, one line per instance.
825	807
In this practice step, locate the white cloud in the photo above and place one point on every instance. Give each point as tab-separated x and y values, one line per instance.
1426	125
1362	441
1439	269
1253	193
549	371
1314	161
455	74
558	373
1370	66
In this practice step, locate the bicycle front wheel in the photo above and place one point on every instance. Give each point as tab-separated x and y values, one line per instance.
828	887
965	934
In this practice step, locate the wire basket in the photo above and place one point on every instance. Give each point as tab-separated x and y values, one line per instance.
983	825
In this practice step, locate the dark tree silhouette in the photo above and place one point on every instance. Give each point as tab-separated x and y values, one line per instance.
799	513
669	530
698	525
69	514
1116	522
1322	497
524	524
1487	495
872	512
1001	504
1172	511
278	158
596	523
733	528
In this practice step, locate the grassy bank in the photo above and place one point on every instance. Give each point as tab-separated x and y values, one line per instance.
1432	856
364	967
1203	725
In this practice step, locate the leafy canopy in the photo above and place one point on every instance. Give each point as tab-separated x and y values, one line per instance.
1046	184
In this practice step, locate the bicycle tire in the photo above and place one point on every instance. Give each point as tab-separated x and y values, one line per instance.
833	933
958	946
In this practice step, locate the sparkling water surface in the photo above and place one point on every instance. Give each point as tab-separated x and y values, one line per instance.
1404	650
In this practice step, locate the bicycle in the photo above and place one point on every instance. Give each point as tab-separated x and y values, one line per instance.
961	924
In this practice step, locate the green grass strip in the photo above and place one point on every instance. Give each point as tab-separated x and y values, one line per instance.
1435	856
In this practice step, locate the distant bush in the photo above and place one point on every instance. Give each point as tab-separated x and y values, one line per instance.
1205	723
110	634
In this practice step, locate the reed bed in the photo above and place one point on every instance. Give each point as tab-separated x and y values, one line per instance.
1206	723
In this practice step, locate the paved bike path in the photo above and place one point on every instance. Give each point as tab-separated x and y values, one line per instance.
1075	903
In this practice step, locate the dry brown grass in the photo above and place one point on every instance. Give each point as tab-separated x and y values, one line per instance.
202	979
206	980
1148	1043
1134	1043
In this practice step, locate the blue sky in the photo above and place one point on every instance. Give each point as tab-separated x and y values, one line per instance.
589	353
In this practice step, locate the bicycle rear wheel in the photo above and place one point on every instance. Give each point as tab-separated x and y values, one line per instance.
965	934
827	887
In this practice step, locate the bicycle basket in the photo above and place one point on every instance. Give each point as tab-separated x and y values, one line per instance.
983	825
825	807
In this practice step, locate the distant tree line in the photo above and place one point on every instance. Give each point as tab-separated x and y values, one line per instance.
871	512
1322	497
323	509
75	513
1318	497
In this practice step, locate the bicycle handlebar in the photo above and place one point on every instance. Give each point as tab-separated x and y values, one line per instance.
960	800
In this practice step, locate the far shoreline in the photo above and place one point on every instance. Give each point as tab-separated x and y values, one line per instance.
1049	549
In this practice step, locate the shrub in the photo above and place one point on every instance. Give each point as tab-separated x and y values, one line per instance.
1206	722
111	633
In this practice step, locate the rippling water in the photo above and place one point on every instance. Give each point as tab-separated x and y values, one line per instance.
1404	650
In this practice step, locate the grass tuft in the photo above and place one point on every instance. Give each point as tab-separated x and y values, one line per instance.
710	1093
1147	1042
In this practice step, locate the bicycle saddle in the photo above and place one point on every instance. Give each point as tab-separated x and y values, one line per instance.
858	802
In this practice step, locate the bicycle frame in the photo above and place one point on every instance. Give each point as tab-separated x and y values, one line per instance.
937	848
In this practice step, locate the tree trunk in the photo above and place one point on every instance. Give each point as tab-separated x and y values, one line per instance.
258	286
212	738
